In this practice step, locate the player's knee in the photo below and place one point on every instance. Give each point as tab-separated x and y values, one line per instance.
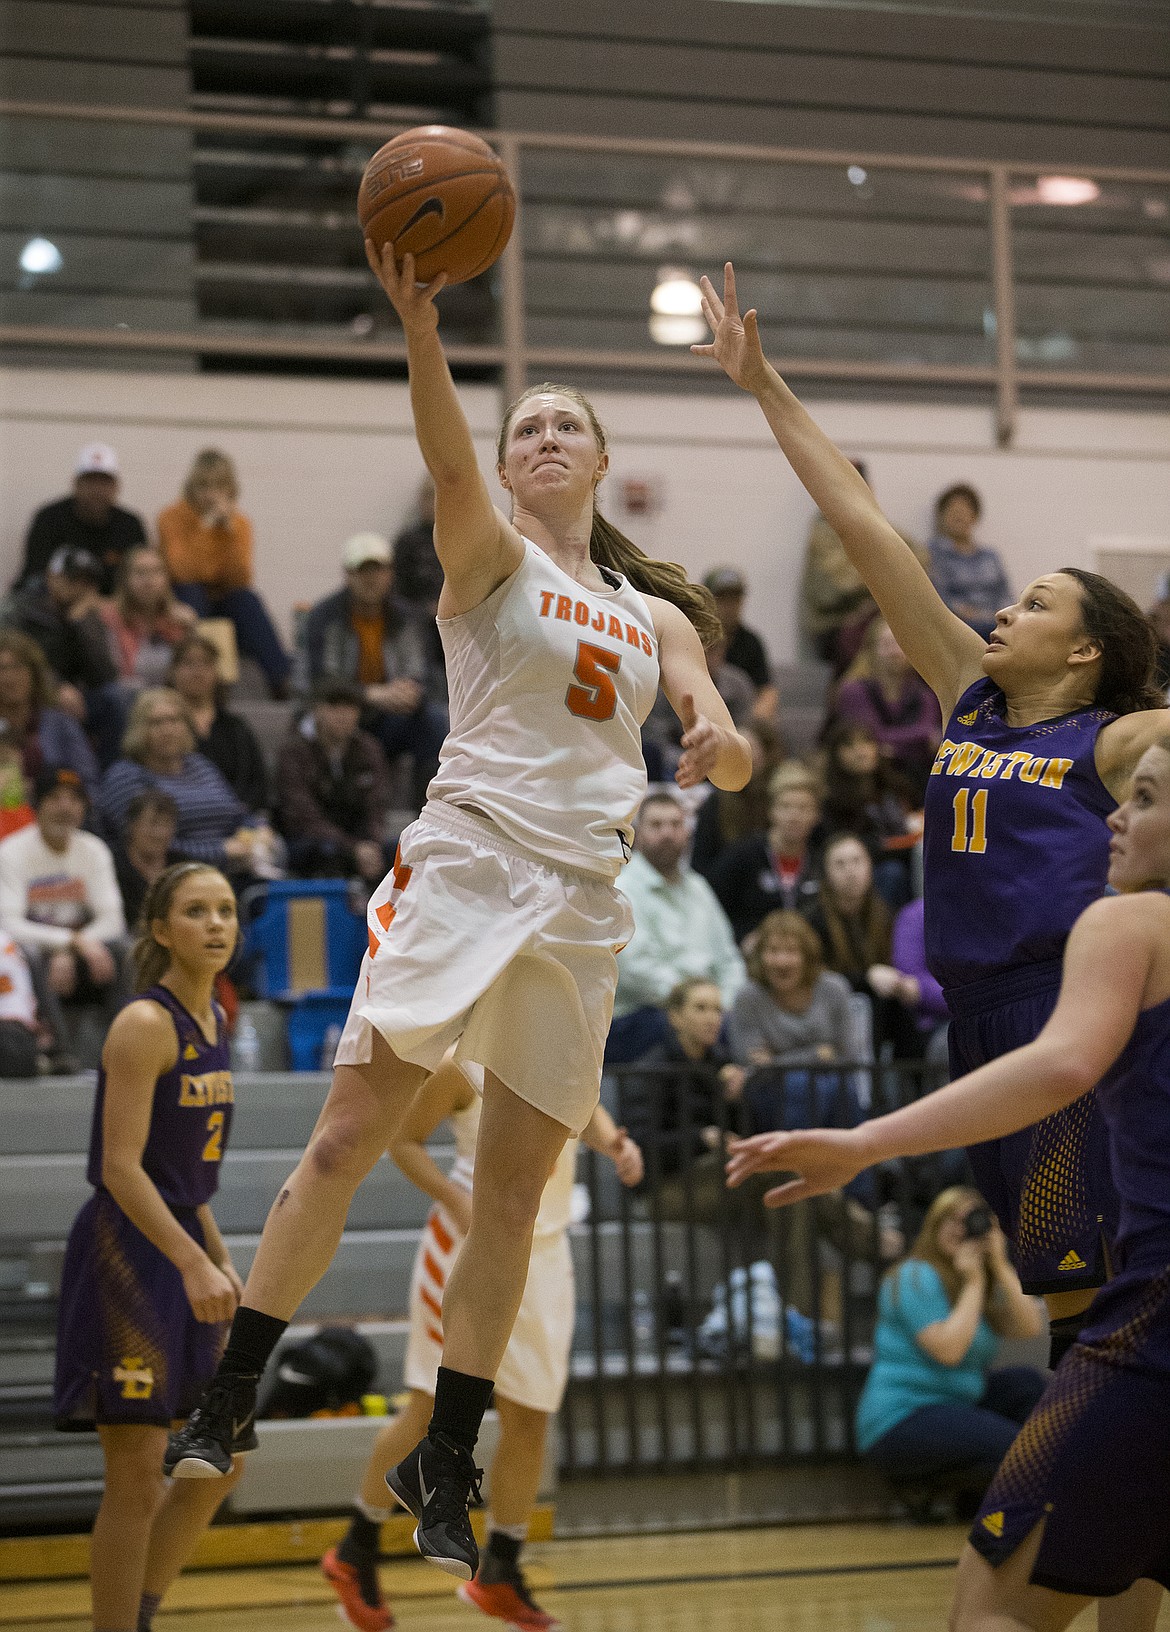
509	1213
345	1148
136	1482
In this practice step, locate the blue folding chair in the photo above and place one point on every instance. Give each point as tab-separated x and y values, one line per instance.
303	946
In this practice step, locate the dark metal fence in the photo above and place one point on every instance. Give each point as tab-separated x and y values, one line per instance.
715	1333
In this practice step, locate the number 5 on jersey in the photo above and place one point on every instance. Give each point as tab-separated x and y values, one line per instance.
974	842
596	697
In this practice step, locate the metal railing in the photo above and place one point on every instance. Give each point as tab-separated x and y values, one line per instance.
1120	296
715	1333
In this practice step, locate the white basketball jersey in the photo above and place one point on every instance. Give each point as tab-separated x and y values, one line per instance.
549	684
553	1216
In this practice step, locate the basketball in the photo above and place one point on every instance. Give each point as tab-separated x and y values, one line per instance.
441	195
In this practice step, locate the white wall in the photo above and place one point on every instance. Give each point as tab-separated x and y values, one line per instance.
321	459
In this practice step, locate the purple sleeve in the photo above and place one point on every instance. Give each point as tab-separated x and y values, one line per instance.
909	955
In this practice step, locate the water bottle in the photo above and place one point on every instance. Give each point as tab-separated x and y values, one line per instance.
329	1045
246	1044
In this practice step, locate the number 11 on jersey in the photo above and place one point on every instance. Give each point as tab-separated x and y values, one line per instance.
973	841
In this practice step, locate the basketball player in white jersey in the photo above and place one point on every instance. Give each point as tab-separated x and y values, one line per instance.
498	927
530	1382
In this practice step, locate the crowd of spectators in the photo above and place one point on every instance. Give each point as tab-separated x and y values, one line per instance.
118	653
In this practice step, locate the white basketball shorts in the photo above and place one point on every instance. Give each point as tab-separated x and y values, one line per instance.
475	940
535	1366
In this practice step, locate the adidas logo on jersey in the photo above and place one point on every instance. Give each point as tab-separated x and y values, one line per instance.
969	719
1072	1260
994	1523
190	1052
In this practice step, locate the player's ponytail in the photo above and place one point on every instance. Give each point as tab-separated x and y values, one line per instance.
610	547
1128	645
151	958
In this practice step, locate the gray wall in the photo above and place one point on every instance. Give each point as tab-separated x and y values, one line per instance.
115	199
833	76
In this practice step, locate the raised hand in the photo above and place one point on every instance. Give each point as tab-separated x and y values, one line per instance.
735	341
415	305
825	1159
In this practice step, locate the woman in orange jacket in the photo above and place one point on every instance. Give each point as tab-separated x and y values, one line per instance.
207	544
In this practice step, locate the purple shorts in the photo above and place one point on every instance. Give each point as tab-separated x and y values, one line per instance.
129	1349
1050	1186
1093	1459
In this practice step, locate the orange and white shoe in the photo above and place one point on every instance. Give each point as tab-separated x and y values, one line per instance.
360	1600
509	1601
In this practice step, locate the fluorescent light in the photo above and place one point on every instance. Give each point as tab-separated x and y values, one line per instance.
40	255
857	175
676	294
677	329
1066	190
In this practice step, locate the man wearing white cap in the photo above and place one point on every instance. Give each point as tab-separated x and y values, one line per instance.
90	519
365	634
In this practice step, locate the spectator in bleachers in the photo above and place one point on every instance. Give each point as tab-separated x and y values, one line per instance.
866	796
62	613
884	694
855	928
15	809
743	649
159	752
680	930
146	847
919	992
933	1412
676	1109
333	789
365	634
725	818
146	619
46	737
776	868
90	518
221	736
207	543
835	605
27	1045
59	900
969	576
792	1011
418	577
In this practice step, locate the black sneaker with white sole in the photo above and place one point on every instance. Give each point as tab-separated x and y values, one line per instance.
437	1482
221	1426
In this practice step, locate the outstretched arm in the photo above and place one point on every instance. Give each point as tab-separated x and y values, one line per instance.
1110	955
477	548
946	653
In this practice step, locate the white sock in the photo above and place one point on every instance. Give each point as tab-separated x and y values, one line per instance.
518	1532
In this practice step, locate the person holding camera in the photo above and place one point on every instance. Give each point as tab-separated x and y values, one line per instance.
933	1415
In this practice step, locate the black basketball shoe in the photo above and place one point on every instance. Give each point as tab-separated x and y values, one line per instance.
221	1426
437	1482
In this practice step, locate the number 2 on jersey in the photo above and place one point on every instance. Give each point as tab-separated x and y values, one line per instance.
213	1149
596	697
975	841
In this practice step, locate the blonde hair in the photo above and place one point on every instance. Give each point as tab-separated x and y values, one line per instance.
609	547
134	738
151	958
211	466
793	776
926	1250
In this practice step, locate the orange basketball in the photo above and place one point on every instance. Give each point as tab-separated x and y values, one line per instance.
441	195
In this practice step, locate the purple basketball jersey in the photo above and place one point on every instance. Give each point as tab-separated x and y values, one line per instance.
1134	1097
191	1116
1015	845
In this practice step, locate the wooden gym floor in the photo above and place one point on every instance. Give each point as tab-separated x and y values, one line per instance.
824	1578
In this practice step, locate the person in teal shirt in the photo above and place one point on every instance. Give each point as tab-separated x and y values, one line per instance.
933	1412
